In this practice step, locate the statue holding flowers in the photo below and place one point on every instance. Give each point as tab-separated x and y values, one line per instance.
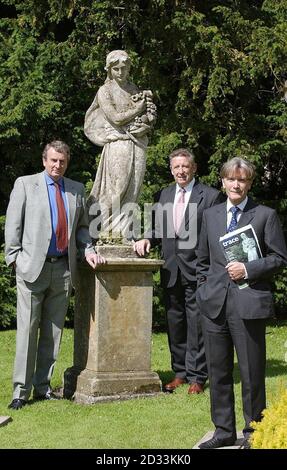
120	120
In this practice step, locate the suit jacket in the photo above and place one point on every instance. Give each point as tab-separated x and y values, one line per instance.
28	228
250	302
179	251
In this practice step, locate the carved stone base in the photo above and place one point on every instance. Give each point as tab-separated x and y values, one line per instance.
92	387
112	325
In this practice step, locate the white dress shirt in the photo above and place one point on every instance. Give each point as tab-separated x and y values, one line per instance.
229	214
188	191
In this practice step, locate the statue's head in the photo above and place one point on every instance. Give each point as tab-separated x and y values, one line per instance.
117	58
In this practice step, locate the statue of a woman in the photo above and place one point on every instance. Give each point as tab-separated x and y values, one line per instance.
119	119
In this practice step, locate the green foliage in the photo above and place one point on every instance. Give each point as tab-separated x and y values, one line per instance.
217	70
159	317
158	172
271	432
2	226
146	420
7	296
7	288
280	294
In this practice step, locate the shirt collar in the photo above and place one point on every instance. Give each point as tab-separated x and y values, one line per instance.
50	180
241	205
188	187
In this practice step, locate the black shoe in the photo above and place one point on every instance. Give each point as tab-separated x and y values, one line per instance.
215	443
47	396
245	444
17	403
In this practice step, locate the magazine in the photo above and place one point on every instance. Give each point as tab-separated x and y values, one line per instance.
241	245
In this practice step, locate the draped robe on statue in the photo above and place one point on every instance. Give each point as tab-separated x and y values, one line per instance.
122	165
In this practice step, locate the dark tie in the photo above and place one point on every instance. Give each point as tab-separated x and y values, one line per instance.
179	210
233	223
62	226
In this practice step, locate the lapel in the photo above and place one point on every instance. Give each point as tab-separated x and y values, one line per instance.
42	196
169	201
71	195
195	198
196	194
220	225
248	213
169	194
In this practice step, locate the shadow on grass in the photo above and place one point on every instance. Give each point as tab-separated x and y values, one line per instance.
274	368
165	376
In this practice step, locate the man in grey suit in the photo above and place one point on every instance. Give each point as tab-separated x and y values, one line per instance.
234	316
46	228
176	230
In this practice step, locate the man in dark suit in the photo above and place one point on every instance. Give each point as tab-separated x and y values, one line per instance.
233	316
178	214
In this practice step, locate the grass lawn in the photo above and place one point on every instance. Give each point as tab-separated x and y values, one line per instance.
169	421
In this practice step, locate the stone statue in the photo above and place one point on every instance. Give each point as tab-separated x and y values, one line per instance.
119	119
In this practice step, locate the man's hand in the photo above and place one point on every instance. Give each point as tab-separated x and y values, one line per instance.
141	247
94	259
236	270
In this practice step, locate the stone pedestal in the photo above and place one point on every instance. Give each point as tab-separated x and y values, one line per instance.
112	329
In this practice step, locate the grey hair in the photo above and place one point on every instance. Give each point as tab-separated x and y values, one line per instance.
59	146
182	153
229	167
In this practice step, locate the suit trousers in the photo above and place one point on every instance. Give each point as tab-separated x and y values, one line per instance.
221	335
184	331
41	312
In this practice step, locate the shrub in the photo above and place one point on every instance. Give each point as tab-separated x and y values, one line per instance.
158	310
7	295
280	294
7	288
271	432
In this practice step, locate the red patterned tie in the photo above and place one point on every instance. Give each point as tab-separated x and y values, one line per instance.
62	226
179	210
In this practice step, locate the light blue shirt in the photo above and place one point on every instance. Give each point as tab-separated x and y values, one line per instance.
52	251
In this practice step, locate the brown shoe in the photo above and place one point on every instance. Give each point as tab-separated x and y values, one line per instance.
195	388
170	387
